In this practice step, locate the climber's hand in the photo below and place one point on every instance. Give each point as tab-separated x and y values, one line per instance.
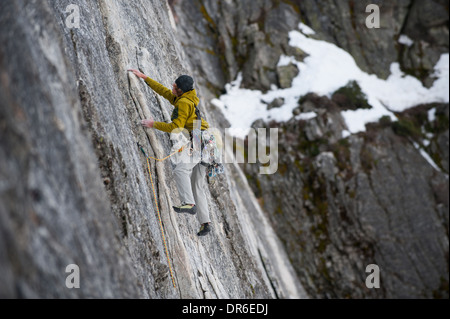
147	123
138	74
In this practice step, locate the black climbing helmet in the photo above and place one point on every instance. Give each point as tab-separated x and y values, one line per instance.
185	83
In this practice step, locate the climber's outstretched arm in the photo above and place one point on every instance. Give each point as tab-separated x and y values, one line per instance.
157	87
138	74
148	123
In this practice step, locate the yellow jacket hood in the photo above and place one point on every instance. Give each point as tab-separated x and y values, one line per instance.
191	96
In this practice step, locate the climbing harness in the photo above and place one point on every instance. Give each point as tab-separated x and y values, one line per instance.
156	202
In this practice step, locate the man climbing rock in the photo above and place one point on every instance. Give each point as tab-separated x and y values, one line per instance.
189	176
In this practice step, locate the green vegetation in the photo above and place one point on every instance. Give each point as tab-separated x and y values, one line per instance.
407	128
341	151
311	148
351	97
385	121
315	190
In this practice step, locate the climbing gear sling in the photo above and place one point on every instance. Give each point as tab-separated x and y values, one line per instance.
156	202
207	145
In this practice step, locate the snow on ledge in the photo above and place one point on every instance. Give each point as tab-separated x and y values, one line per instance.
326	69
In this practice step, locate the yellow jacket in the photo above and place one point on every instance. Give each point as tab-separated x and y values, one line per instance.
183	115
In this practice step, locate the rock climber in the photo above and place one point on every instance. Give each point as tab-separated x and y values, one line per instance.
189	177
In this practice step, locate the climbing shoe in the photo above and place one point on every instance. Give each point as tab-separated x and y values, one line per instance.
204	230
184	208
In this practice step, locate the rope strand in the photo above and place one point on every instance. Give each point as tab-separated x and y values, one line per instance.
160	224
157	206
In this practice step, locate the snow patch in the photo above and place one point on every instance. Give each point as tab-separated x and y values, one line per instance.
305	29
326	69
306	116
432	115
405	40
427	157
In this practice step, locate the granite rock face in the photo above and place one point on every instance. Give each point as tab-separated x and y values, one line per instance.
379	197
223	38
74	187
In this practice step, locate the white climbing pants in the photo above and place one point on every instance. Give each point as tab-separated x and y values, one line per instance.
190	179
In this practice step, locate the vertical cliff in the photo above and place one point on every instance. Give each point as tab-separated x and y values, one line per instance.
74	187
75	190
